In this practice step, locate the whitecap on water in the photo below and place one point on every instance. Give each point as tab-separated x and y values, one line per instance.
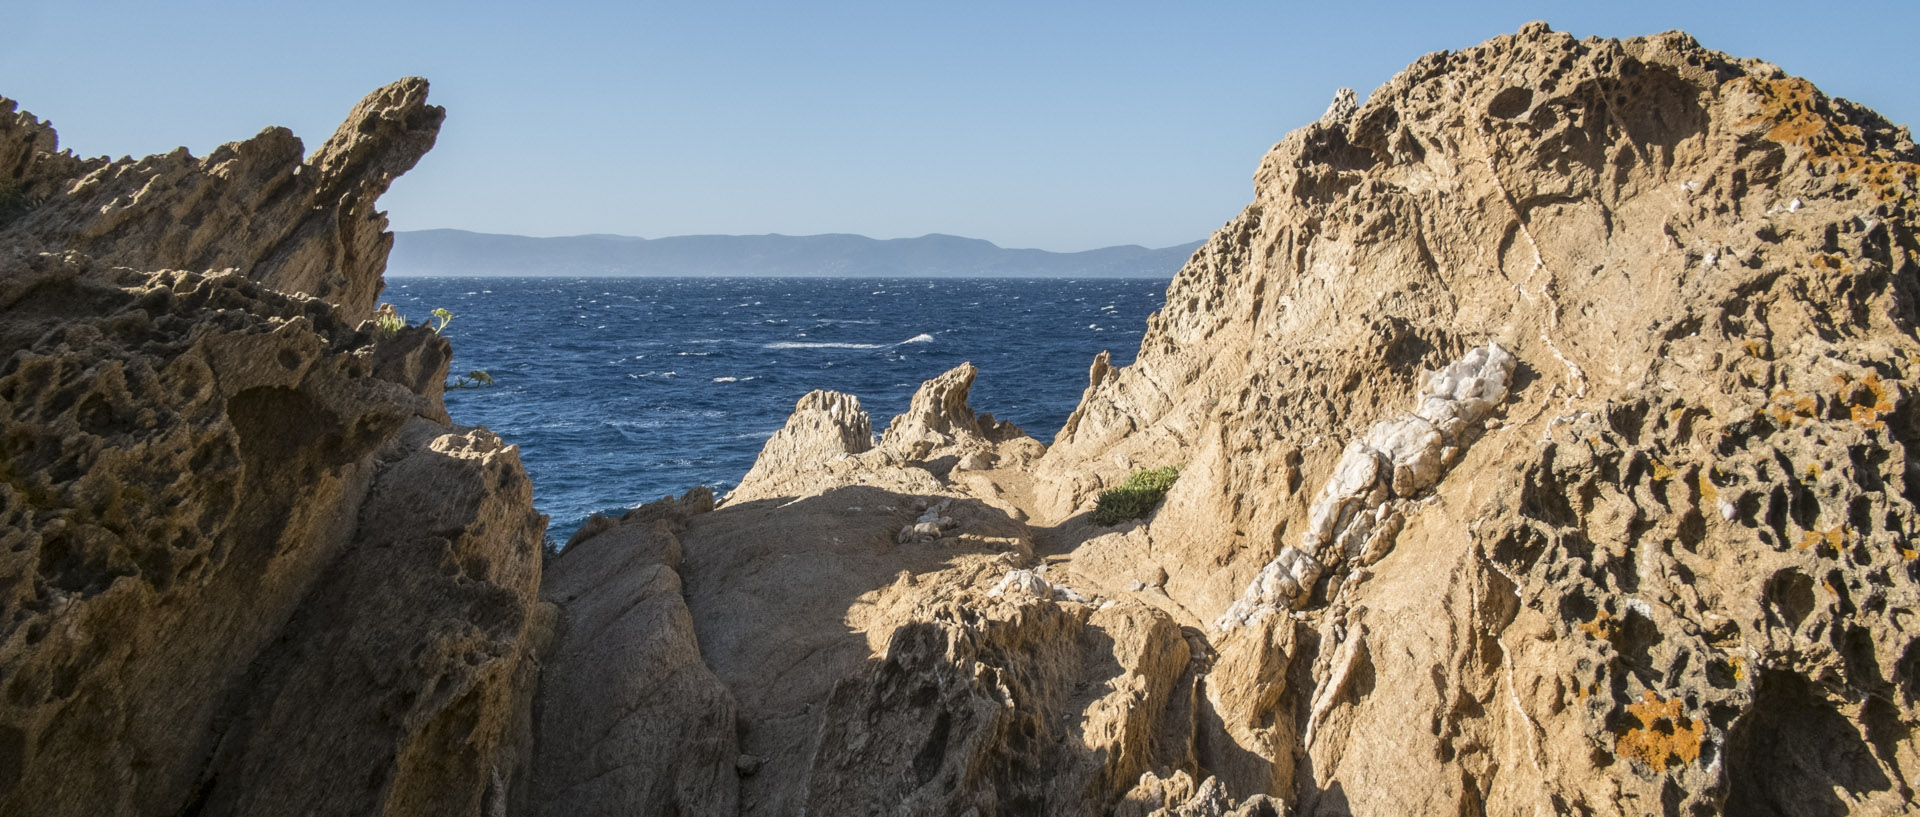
920	338
726	380
790	344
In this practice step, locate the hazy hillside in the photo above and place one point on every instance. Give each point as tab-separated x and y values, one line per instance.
458	252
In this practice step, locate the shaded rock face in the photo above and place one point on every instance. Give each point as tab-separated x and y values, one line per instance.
1543	426
629	719
293	223
245	565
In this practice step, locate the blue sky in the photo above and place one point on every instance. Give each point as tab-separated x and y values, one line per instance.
1062	126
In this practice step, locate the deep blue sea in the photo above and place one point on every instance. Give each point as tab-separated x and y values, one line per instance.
622	390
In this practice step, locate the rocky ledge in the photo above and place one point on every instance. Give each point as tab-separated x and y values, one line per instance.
1542	427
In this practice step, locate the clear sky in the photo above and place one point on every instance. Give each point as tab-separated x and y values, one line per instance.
1063	126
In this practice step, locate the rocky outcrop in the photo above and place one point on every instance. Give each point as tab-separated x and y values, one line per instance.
825	428
992	706
246	566
1679	532
828	442
292	223
1543	429
628	719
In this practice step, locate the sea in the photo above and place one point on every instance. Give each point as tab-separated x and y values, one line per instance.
620	391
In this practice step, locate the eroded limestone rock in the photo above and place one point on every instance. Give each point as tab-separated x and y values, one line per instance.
629	717
1357	515
246	566
296	224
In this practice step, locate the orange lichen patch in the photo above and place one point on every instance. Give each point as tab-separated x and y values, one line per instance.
1666	737
1755	348
1661	471
1708	491
1601	627
1799	116
1790	409
1867	400
1832	262
1909	554
1833	538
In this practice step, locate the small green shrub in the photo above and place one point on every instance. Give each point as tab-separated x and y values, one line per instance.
441	318
387	322
1135	497
15	201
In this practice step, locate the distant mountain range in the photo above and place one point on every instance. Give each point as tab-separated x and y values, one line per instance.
458	252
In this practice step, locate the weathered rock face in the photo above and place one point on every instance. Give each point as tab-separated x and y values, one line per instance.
1544	426
825	428
1671	574
628	719
293	224
245	566
828	442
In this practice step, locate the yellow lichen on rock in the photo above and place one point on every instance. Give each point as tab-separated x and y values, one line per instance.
1665	737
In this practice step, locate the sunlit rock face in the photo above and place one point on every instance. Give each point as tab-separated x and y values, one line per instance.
1541	428
1542	431
246	564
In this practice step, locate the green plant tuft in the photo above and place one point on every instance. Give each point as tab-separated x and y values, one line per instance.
1136	497
387	322
15	202
441	318
475	379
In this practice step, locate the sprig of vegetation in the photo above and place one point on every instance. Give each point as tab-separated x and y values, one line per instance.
15	201
388	322
441	318
475	379
1136	497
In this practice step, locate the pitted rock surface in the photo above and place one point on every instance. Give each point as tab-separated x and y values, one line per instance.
1563	388
246	566
296	224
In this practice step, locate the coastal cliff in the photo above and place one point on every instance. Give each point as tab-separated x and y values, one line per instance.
1541	429
1542	426
247	566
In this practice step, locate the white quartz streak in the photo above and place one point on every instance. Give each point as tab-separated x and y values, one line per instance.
1357	515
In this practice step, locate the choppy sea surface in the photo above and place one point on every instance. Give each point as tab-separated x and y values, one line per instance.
622	390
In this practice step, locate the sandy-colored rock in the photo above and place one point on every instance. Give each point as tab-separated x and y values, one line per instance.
246	567
410	661
629	718
828	443
1659	550
296	224
1546	417
825	428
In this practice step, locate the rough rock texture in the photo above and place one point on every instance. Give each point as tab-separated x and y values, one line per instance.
628	719
245	565
295	224
1567	385
828	442
1358	514
1672	576
825	428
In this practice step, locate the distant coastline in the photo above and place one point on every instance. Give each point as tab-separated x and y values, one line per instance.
422	253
